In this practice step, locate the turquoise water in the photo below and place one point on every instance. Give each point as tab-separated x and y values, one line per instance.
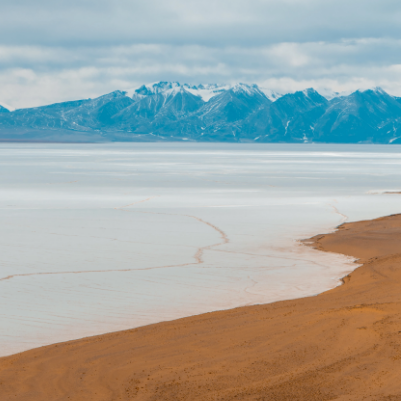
98	238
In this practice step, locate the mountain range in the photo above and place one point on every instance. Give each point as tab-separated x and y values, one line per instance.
169	111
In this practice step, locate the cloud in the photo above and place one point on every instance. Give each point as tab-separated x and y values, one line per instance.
202	22
53	50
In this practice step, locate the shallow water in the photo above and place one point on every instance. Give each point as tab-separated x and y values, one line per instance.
98	238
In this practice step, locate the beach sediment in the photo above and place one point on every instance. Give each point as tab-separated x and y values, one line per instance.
344	344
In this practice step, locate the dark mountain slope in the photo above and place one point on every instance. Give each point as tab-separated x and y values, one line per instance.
222	117
156	113
368	116
291	118
80	115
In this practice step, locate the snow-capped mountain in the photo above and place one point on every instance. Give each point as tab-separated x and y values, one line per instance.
170	111
204	91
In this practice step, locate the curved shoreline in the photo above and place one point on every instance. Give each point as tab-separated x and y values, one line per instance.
343	344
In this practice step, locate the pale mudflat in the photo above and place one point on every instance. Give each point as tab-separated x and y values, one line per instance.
102	238
344	344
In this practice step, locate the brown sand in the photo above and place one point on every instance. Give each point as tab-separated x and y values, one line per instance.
344	344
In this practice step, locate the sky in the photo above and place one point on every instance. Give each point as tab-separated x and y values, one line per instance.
57	50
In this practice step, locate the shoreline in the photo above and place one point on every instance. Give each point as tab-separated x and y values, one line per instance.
335	345
301	242
293	248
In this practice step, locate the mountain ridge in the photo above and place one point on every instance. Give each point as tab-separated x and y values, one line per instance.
170	111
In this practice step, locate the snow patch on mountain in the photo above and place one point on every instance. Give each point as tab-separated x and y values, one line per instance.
330	94
151	89
204	91
6	106
270	94
207	91
244	88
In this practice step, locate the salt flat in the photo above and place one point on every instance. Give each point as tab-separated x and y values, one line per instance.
98	238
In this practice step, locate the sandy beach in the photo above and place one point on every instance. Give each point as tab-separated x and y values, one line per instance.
344	344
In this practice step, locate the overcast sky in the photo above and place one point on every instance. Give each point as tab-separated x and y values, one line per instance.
55	50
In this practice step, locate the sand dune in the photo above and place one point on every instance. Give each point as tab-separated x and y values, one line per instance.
344	344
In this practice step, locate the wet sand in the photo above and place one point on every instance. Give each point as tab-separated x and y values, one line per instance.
344	344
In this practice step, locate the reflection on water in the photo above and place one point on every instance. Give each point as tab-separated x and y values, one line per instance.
97	238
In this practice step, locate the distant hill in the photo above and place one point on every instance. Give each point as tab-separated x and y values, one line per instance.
169	111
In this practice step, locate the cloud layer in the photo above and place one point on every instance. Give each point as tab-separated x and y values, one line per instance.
55	50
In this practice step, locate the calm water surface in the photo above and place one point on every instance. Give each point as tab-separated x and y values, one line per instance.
98	238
